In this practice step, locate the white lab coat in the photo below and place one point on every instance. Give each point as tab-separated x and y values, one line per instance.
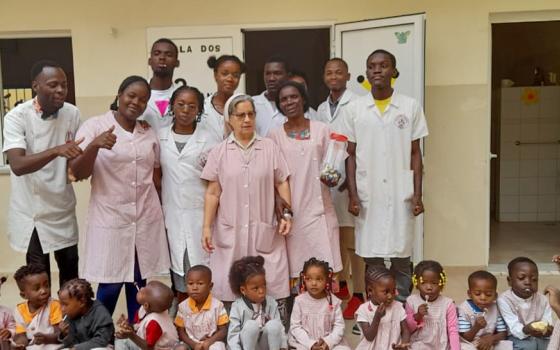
212	120
182	192
385	226
323	114
268	115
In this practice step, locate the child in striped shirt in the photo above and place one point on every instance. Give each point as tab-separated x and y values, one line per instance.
480	324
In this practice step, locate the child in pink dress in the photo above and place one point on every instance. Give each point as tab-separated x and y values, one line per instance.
382	319
431	317
7	321
316	321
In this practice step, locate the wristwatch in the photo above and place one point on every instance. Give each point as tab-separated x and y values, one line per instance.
287	214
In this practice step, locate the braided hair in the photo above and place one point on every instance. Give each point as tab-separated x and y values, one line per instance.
328	271
196	92
79	289
376	273
241	270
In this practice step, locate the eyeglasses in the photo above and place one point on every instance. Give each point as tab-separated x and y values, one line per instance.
244	115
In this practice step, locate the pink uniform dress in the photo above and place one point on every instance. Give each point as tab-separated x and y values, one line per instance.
124	213
313	319
389	331
245	223
491	316
438	329
315	226
555	337
7	320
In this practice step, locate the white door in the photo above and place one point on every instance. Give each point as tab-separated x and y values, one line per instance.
402	36
196	44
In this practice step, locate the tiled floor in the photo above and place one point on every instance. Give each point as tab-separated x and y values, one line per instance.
456	289
536	240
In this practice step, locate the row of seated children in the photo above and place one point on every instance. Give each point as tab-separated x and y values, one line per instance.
428	319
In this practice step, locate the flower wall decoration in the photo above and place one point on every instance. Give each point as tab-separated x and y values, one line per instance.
530	96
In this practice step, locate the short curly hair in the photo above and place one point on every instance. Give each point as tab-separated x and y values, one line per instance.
28	270
79	289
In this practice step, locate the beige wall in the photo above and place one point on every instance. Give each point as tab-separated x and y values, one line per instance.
457	85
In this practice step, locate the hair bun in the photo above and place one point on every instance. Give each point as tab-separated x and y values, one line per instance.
212	62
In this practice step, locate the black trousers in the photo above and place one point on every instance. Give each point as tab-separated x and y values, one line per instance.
402	268
66	259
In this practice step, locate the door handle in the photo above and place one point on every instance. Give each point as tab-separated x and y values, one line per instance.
493	156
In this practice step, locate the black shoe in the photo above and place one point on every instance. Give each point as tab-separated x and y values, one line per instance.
356	329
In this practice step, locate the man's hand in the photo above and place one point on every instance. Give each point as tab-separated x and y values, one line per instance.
354	205
70	149
417	205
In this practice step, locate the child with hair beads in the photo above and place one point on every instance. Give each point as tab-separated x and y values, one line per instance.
431	317
88	324
154	328
480	324
254	320
382	319
526	312
316	322
201	320
7	322
38	317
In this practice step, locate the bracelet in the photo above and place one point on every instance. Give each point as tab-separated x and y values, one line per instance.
287	213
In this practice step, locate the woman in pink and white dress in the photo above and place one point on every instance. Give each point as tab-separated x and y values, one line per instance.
303	143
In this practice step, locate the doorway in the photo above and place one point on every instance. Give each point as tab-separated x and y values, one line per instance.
305	50
525	136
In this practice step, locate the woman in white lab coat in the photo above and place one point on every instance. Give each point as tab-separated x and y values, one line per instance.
227	74
184	148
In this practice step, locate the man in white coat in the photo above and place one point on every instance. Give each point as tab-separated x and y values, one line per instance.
336	76
268	114
39	141
384	169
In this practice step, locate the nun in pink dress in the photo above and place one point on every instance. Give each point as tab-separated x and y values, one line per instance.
239	220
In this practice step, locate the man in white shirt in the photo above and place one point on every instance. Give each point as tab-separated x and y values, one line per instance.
335	77
384	169
163	61
268	114
39	140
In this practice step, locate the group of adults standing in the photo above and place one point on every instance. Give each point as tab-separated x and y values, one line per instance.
178	179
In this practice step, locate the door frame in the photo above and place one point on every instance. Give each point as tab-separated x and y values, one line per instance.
496	18
418	20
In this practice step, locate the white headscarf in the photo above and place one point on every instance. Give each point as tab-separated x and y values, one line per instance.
228	102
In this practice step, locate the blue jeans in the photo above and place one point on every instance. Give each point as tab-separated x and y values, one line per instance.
108	293
530	343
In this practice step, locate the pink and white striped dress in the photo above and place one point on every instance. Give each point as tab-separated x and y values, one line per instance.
438	329
313	319
389	331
